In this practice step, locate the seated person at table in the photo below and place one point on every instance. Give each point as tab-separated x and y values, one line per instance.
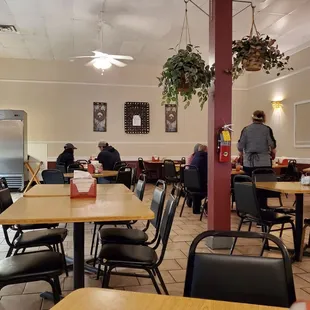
200	160
66	158
190	158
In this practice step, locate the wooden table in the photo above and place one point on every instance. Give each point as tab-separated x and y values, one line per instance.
103	174
63	190
77	211
102	299
299	191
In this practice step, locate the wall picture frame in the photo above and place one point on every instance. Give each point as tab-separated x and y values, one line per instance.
171	118
137	117
100	116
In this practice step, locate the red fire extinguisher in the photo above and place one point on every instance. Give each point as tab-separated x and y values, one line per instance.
224	144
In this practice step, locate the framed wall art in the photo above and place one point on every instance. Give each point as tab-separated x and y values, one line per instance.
100	116
137	117
171	118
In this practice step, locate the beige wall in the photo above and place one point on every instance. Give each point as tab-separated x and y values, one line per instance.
58	98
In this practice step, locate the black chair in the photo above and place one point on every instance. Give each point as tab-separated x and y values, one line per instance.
119	165
150	174
240	279
31	267
139	256
140	188
192	186
247	204
124	176
53	176
3	183
137	236
61	168
170	173
292	173
134	178
50	238
75	166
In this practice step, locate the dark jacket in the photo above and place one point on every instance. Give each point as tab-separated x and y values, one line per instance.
66	158
200	160
108	157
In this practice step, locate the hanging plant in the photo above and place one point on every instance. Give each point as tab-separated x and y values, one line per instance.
256	52
186	74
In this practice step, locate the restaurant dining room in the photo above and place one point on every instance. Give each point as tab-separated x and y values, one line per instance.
154	154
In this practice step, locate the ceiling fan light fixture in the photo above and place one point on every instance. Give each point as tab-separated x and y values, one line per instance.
102	64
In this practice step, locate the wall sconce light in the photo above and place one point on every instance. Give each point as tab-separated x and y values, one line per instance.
276	105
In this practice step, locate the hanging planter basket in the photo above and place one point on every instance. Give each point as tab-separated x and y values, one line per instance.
183	86
254	61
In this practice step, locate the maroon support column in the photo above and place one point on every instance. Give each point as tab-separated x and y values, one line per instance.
219	112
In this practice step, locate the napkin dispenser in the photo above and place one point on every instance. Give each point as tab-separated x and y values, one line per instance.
83	185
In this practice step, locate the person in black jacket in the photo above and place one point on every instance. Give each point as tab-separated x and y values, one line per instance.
200	160
66	158
108	157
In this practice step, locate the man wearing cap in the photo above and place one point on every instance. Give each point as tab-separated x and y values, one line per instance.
108	157
66	158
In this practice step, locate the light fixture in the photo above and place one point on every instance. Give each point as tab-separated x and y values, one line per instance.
276	105
102	64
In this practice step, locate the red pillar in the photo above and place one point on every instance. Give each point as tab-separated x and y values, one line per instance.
219	112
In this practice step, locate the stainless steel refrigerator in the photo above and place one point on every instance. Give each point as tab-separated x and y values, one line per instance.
13	147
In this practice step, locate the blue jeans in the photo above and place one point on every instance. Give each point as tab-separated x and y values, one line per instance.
103	181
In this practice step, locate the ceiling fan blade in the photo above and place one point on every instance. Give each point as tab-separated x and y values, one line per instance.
90	63
99	54
116	62
121	57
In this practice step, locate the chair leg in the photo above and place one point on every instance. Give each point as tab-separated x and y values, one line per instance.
93	239
161	280
281	231
55	291
96	250
129	226
10	251
57	248
23	250
267	230
154	281
235	240
98	271
280	200
204	208
57	284
186	195
64	258
106	279
294	239
250	226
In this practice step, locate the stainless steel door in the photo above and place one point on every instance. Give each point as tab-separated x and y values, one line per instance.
11	147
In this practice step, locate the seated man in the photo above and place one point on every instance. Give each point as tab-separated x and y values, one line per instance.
108	157
66	158
200	160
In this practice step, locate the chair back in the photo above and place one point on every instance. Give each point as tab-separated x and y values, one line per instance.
157	203
3	183
191	178
133	177
246	199
169	169
165	226
53	176
264	175
124	176
141	164
229	277
140	187
183	161
75	166
119	164
82	161
292	172
61	168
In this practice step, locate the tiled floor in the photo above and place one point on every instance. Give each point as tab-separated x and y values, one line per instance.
26	296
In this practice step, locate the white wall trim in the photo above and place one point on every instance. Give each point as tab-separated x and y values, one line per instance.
114	142
91	84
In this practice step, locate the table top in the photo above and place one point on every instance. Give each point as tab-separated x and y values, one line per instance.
284	187
101	299
62	190
103	174
66	210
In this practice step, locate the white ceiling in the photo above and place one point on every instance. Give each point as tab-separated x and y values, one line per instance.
144	29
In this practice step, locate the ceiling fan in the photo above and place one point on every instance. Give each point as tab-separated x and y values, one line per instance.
103	61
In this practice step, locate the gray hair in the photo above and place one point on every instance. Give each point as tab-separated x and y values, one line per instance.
196	147
202	148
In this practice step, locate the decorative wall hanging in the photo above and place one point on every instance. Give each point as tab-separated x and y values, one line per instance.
171	118
100	116
137	117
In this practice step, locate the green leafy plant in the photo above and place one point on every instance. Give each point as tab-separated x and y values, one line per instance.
185	74
253	53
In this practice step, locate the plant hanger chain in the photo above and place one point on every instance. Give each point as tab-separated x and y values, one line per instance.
185	28
253	27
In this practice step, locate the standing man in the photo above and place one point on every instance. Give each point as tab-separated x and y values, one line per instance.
108	157
257	144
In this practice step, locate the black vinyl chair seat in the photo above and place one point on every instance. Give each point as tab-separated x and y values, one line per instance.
123	235
270	216
128	253
38	237
39	263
